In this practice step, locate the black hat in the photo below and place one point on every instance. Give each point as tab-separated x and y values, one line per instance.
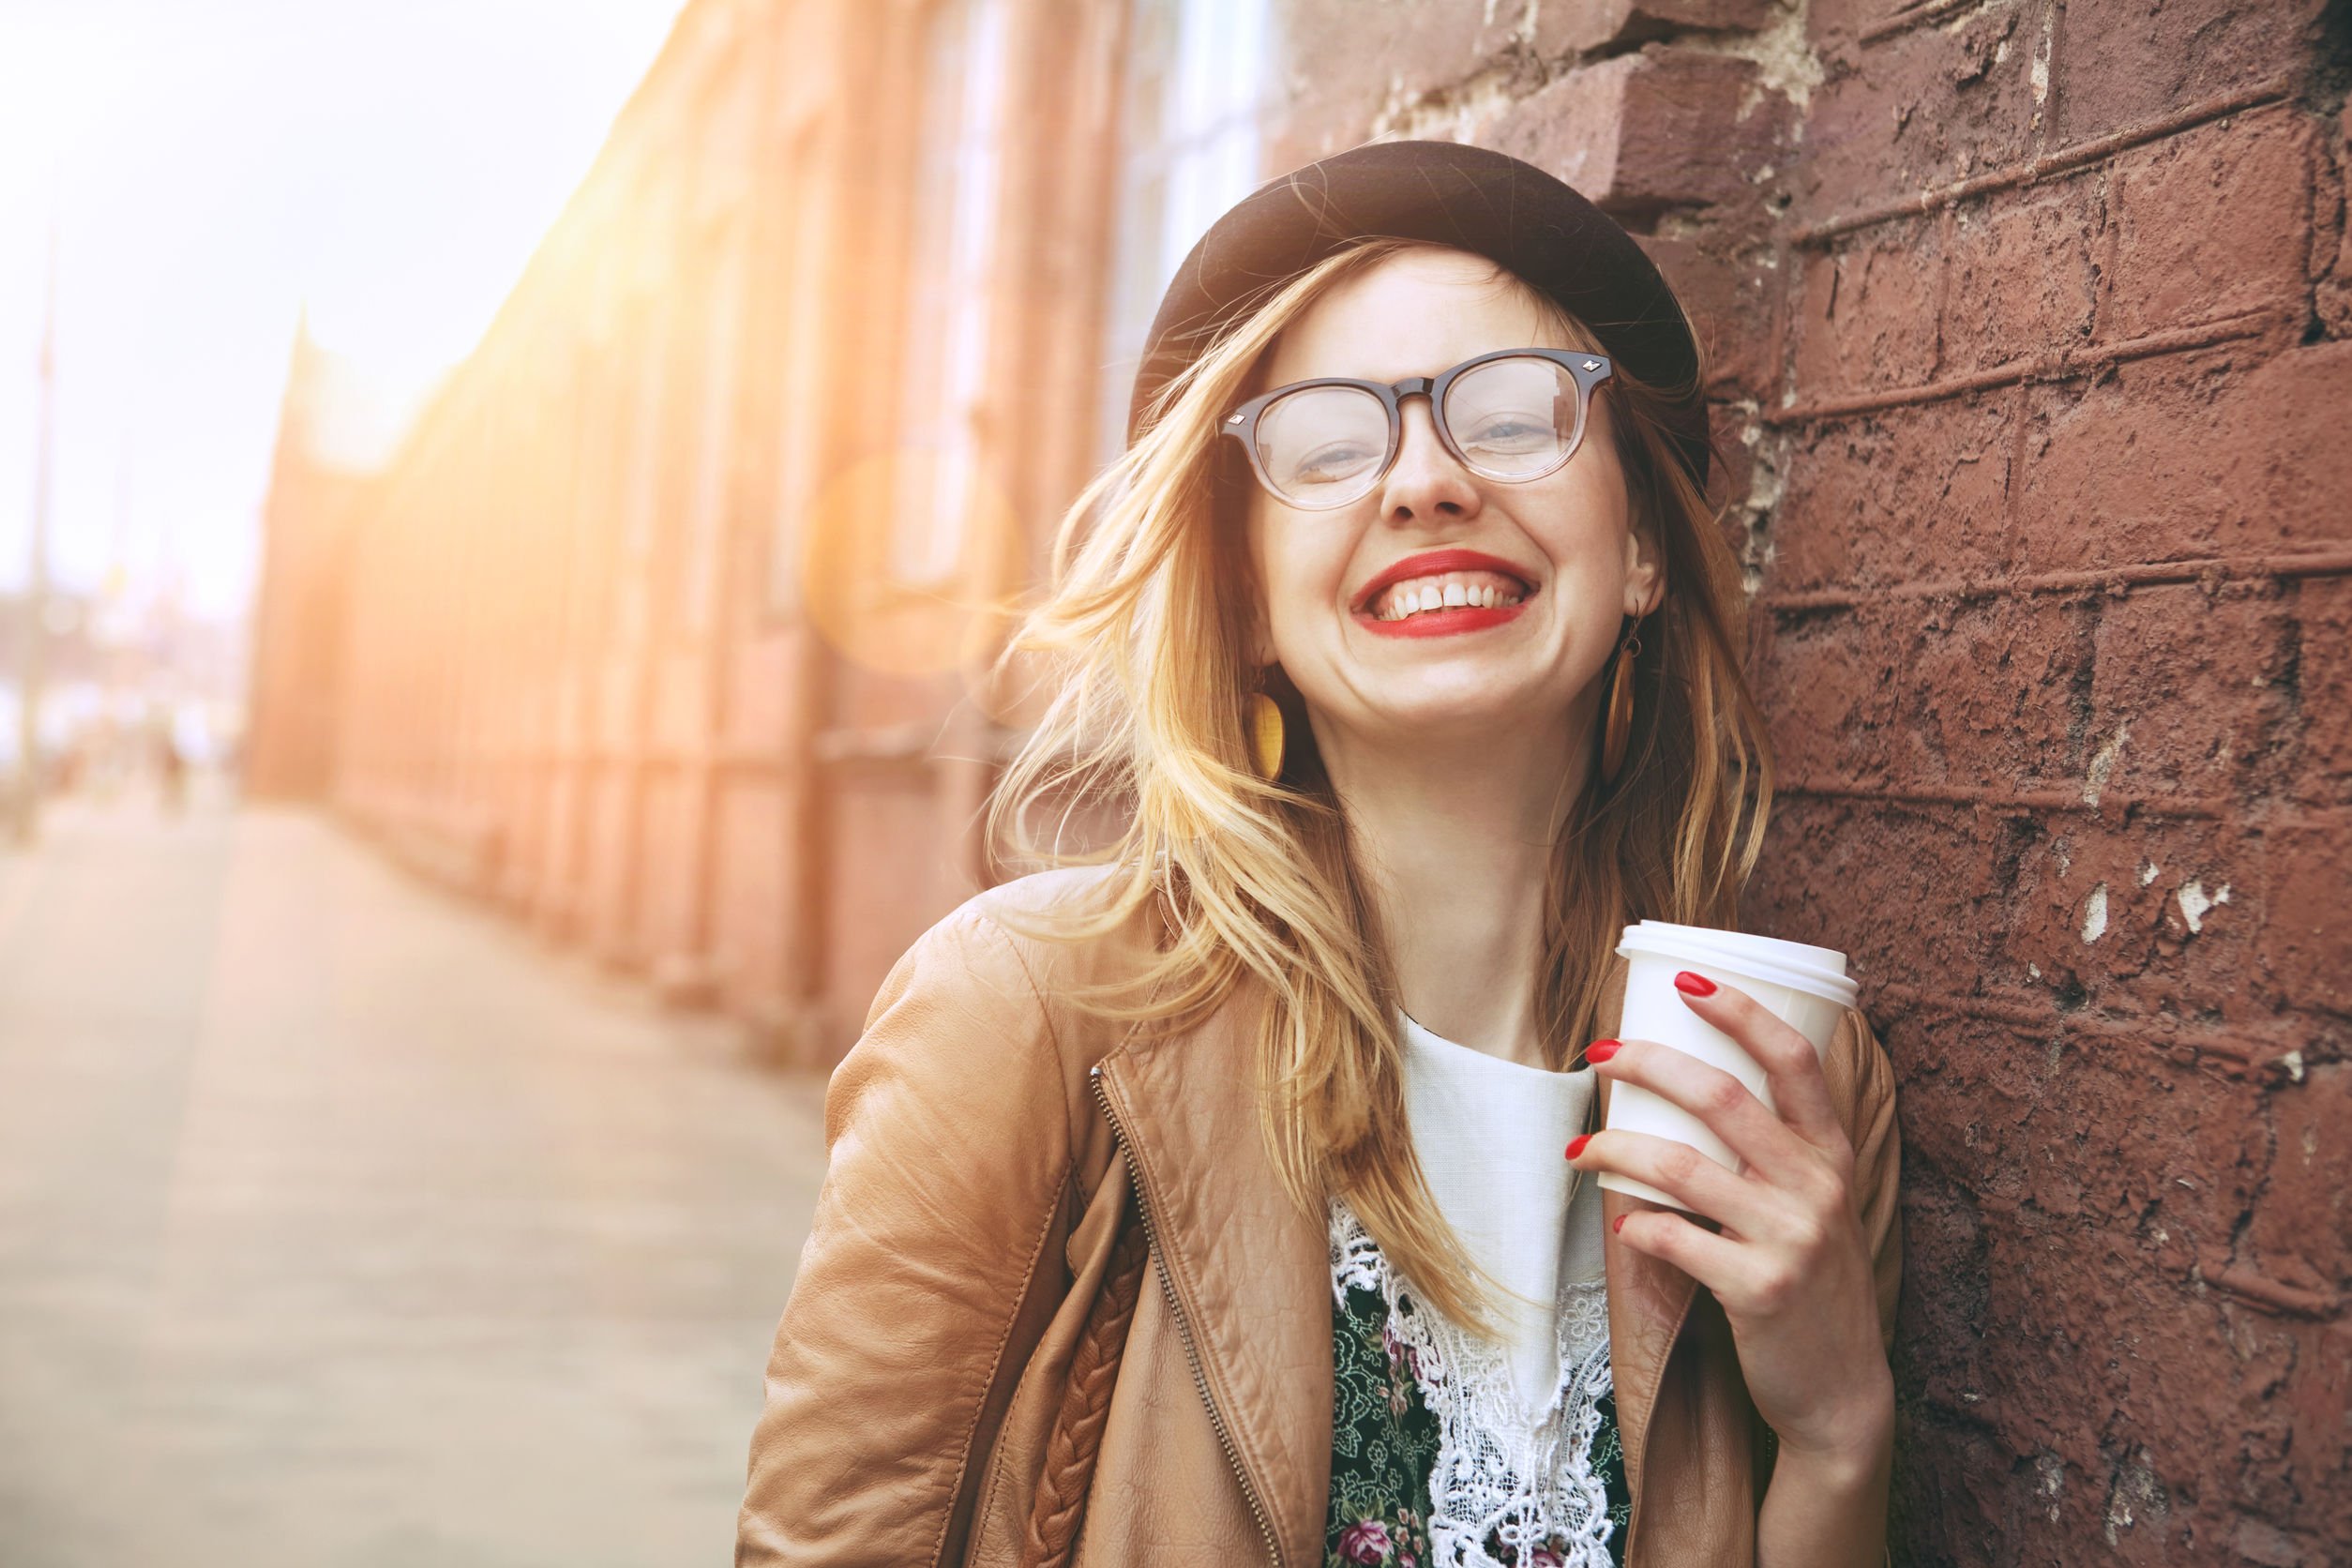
1470	198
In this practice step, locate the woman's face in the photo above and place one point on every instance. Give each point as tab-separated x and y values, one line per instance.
1327	590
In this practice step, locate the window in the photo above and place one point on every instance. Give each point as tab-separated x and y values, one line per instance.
706	518
945	358
803	315
1189	148
640	503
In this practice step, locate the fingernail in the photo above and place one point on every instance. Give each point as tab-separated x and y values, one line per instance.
1618	1224
1694	984
1599	1051
1575	1144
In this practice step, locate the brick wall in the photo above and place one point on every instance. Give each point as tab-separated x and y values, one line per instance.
2028	325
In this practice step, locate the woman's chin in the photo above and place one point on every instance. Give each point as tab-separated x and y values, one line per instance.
1450	718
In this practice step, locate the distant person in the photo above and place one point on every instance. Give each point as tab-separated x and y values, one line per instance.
171	771
1206	1204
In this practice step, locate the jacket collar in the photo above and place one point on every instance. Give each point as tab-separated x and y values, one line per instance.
1251	1272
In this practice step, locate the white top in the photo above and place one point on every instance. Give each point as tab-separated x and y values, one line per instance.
1516	1421
1492	1136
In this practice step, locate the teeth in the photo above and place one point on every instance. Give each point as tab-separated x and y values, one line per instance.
1448	594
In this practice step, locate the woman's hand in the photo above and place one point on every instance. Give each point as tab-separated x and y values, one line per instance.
1791	1265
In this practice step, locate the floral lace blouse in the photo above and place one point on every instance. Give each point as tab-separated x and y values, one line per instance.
1453	1450
1406	1492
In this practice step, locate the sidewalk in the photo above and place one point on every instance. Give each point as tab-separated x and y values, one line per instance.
340	1224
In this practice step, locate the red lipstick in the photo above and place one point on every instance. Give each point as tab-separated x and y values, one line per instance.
1441	623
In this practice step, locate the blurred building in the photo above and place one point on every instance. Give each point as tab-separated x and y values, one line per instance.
335	431
665	624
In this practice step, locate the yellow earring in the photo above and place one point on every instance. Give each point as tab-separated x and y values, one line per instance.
1261	717
1617	724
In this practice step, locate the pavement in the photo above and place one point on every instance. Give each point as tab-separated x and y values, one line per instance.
343	1223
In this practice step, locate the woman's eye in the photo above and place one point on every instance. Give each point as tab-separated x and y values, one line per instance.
1508	431
1331	462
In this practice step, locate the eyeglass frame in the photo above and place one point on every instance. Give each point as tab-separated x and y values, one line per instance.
1588	370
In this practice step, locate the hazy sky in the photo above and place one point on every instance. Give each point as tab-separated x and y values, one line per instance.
214	165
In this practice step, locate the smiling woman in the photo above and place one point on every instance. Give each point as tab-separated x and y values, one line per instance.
1415	483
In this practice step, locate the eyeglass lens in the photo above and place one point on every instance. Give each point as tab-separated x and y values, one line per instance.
1512	419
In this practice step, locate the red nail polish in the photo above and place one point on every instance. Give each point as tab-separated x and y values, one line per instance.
1694	984
1618	1224
1599	1051
1575	1144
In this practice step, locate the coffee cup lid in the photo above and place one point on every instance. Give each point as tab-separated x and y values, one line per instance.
1798	966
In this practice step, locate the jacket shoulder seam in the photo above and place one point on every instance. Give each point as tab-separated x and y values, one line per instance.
1045	1019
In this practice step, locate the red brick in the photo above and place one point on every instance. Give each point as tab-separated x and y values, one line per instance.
1952	1484
2212	223
2103	1134
2301	1233
1582	26
2313	1404
2122	63
1899	496
1944	1350
2107	1180
2006	890
1731	300
1733	478
2020	276
1834	27
1868	878
1350	64
1926	694
1867	318
2332	258
2307	947
2195	677
2139	964
1640	133
2321	772
1831	693
1918	111
2225	451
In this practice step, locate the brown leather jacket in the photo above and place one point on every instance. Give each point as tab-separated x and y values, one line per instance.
966	1221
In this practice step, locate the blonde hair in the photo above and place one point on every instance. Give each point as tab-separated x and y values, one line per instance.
1144	626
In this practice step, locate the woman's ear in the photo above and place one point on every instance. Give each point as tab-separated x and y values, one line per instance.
1645	572
1260	634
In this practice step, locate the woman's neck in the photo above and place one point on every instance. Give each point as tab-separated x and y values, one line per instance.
1454	844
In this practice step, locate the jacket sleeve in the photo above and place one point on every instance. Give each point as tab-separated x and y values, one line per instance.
947	1131
1877	1160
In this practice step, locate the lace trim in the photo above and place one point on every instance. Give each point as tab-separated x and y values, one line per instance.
1504	1476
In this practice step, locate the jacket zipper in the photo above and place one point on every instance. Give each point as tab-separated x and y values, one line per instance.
1184	1329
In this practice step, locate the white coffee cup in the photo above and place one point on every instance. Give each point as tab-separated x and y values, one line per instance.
1806	987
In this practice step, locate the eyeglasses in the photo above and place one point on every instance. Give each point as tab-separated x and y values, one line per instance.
1515	414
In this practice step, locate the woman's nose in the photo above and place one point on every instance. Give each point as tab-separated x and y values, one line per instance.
1426	481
